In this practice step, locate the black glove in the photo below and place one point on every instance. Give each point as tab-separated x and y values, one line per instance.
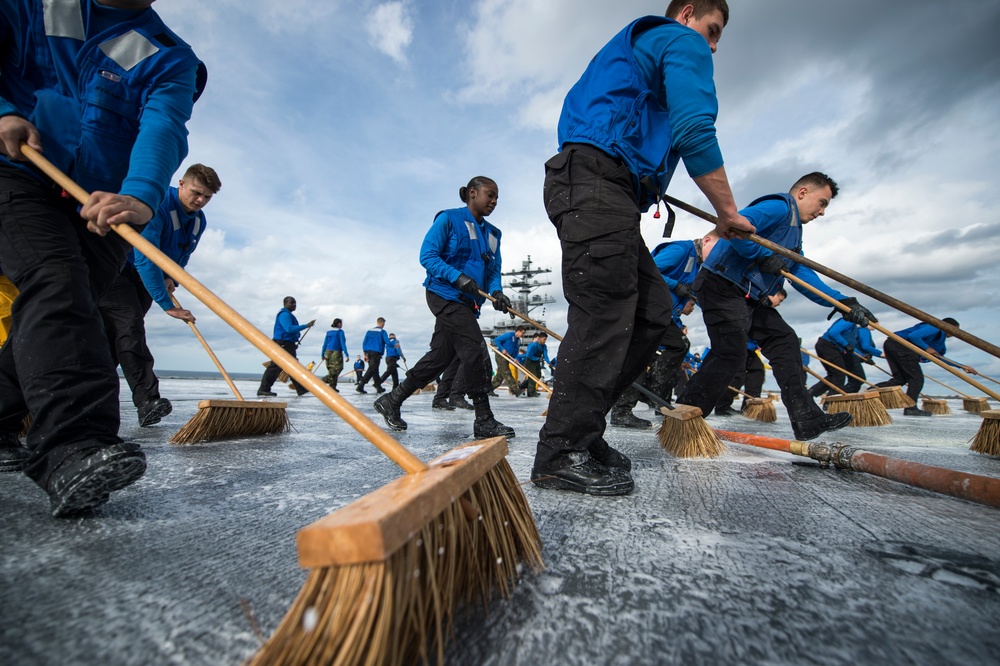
849	349
868	360
467	284
500	302
859	314
772	264
683	290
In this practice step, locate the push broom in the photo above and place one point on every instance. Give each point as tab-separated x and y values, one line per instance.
225	419
891	396
683	433
987	440
538	382
866	409
388	570
969	403
970	487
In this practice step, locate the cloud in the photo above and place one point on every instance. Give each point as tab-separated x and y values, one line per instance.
390	29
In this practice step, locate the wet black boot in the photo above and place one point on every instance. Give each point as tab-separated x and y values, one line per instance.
486	425
808	420
388	405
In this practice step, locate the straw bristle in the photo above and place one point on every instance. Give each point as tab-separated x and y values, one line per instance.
939	407
400	611
894	398
975	405
987	439
761	409
686	436
866	409
774	397
215	421
25	424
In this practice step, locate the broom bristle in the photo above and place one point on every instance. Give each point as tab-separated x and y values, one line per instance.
685	434
894	398
761	409
938	407
400	611
25	424
975	405
227	419
987	438
866	409
774	397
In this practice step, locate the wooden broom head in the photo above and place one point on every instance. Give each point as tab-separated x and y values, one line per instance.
937	407
391	569
894	398
231	419
975	405
866	408
760	409
685	434
987	439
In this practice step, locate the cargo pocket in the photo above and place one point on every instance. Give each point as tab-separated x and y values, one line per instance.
557	189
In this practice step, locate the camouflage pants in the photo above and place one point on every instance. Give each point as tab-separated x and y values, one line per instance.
504	375
334	364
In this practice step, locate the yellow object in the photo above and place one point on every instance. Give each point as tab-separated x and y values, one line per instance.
8	292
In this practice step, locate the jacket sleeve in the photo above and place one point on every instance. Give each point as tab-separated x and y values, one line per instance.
668	259
493	282
150	273
433	249
343	344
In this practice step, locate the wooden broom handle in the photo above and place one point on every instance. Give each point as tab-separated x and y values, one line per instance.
386	444
551	334
836	367
521	368
882	329
211	354
824	380
987	347
987	378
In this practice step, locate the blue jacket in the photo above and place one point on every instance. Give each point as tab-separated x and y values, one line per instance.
648	97
536	351
924	336
456	243
335	340
359	364
287	327
508	343
776	217
393	349
866	346
843	334
85	75
677	262
176	233
375	341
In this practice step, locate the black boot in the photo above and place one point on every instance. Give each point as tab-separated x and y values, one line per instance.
916	411
580	473
13	455
626	419
388	405
812	428
485	424
611	458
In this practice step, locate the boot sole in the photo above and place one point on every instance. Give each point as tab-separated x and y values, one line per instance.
555	483
154	416
382	410
510	435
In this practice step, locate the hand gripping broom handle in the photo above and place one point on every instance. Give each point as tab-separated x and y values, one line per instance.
912	347
211	354
521	368
987	347
386	444
989	379
836	367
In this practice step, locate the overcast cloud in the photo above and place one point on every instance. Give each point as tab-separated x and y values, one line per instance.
340	129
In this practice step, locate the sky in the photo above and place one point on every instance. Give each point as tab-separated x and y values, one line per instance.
339	129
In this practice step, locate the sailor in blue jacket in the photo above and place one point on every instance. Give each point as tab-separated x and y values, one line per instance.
836	346
510	344
77	77
535	358
678	262
393	354
175	230
905	363
733	288
286	333
646	101
862	356
373	345
461	254
334	352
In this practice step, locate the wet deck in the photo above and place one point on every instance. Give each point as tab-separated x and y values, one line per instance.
754	557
